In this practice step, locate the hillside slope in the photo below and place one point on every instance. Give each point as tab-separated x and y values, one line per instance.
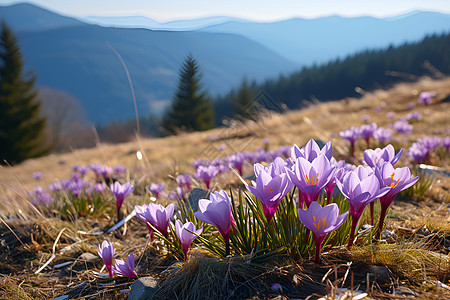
321	121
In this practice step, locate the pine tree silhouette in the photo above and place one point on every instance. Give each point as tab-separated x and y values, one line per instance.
191	109
21	126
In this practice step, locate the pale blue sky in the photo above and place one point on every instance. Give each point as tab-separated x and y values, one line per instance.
260	10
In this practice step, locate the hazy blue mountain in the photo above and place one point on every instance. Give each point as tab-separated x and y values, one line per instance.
27	17
149	23
308	41
79	61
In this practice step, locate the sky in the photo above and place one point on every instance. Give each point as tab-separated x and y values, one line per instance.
257	10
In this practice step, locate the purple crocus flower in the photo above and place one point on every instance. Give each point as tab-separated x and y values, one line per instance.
360	187
390	115
184	233
418	152
207	174
414	116
396	180
217	211
446	143
37	175
366	132
311	177
270	188
119	169
426	97
156	188
351	134
383	135
39	196
125	268
155	214
377	157
81	170
321	221
184	180
106	252
55	186
101	171
121	191
311	151
337	175
237	160
403	127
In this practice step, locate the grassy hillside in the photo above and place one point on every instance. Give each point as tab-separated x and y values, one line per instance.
415	256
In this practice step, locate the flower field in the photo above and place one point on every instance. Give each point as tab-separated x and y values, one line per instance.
342	199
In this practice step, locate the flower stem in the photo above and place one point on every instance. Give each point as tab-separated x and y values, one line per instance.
372	209
380	224
318	248
352	233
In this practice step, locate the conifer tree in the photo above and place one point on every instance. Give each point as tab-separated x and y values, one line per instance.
191	110
243	101
21	127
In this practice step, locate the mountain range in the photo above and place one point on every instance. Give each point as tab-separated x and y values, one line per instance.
84	59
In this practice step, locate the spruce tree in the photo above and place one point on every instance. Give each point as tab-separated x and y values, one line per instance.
244	100
21	127
191	109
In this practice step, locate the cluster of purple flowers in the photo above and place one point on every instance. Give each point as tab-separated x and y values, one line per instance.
426	97
366	131
313	169
40	197
106	251
420	150
158	217
402	126
207	170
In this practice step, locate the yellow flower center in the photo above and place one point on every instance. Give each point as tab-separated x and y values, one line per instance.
393	183
321	224
311	180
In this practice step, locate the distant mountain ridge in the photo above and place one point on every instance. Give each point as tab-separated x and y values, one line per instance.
149	23
296	38
79	59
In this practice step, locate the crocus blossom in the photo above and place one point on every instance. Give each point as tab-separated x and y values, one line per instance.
106	252
270	189
312	151
351	134
121	191
321	221
125	268
396	180
366	132
184	233
156	188
311	177
426	97
383	135
377	157
155	214
207	174
217	211
360	187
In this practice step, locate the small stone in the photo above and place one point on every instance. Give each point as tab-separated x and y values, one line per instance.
380	274
144	288
404	292
89	256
